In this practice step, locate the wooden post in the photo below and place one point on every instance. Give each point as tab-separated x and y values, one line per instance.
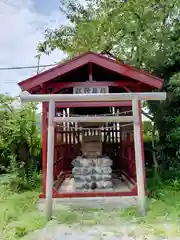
138	158
90	72
50	160
142	143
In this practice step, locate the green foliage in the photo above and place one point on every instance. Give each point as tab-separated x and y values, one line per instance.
139	32
145	34
169	130
20	141
147	130
18	214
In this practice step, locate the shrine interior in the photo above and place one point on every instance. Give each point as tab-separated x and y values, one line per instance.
103	142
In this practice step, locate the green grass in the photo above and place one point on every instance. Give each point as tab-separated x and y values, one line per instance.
163	212
85	217
162	219
18	214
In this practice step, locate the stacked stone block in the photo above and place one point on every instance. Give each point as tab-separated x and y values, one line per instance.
92	174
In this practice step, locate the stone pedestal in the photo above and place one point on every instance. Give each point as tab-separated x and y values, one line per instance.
92	174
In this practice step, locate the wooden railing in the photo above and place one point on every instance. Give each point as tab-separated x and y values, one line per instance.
117	143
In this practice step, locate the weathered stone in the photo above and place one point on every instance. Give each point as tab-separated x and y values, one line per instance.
106	177
98	170
108	184
107	170
80	185
92	173
93	185
89	178
86	185
96	177
100	185
76	171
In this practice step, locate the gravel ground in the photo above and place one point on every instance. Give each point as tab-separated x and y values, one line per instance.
55	231
59	233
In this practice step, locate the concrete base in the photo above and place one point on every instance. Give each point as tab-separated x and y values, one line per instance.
68	185
90	202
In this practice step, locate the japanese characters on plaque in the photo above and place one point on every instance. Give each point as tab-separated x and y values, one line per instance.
90	90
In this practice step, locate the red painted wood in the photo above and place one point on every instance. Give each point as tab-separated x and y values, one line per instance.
91	104
129	152
93	194
134	191
55	153
127	71
131	180
57	86
66	153
42	195
104	194
131	86
98	59
90	71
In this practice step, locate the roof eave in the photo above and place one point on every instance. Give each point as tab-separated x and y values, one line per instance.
95	58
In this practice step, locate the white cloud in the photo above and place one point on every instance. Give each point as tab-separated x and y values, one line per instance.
21	29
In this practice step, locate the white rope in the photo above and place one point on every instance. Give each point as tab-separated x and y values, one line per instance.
98	129
109	114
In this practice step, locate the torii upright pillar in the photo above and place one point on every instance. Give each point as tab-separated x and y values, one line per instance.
50	160
138	157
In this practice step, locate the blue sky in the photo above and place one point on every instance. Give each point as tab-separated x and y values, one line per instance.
46	6
22	24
